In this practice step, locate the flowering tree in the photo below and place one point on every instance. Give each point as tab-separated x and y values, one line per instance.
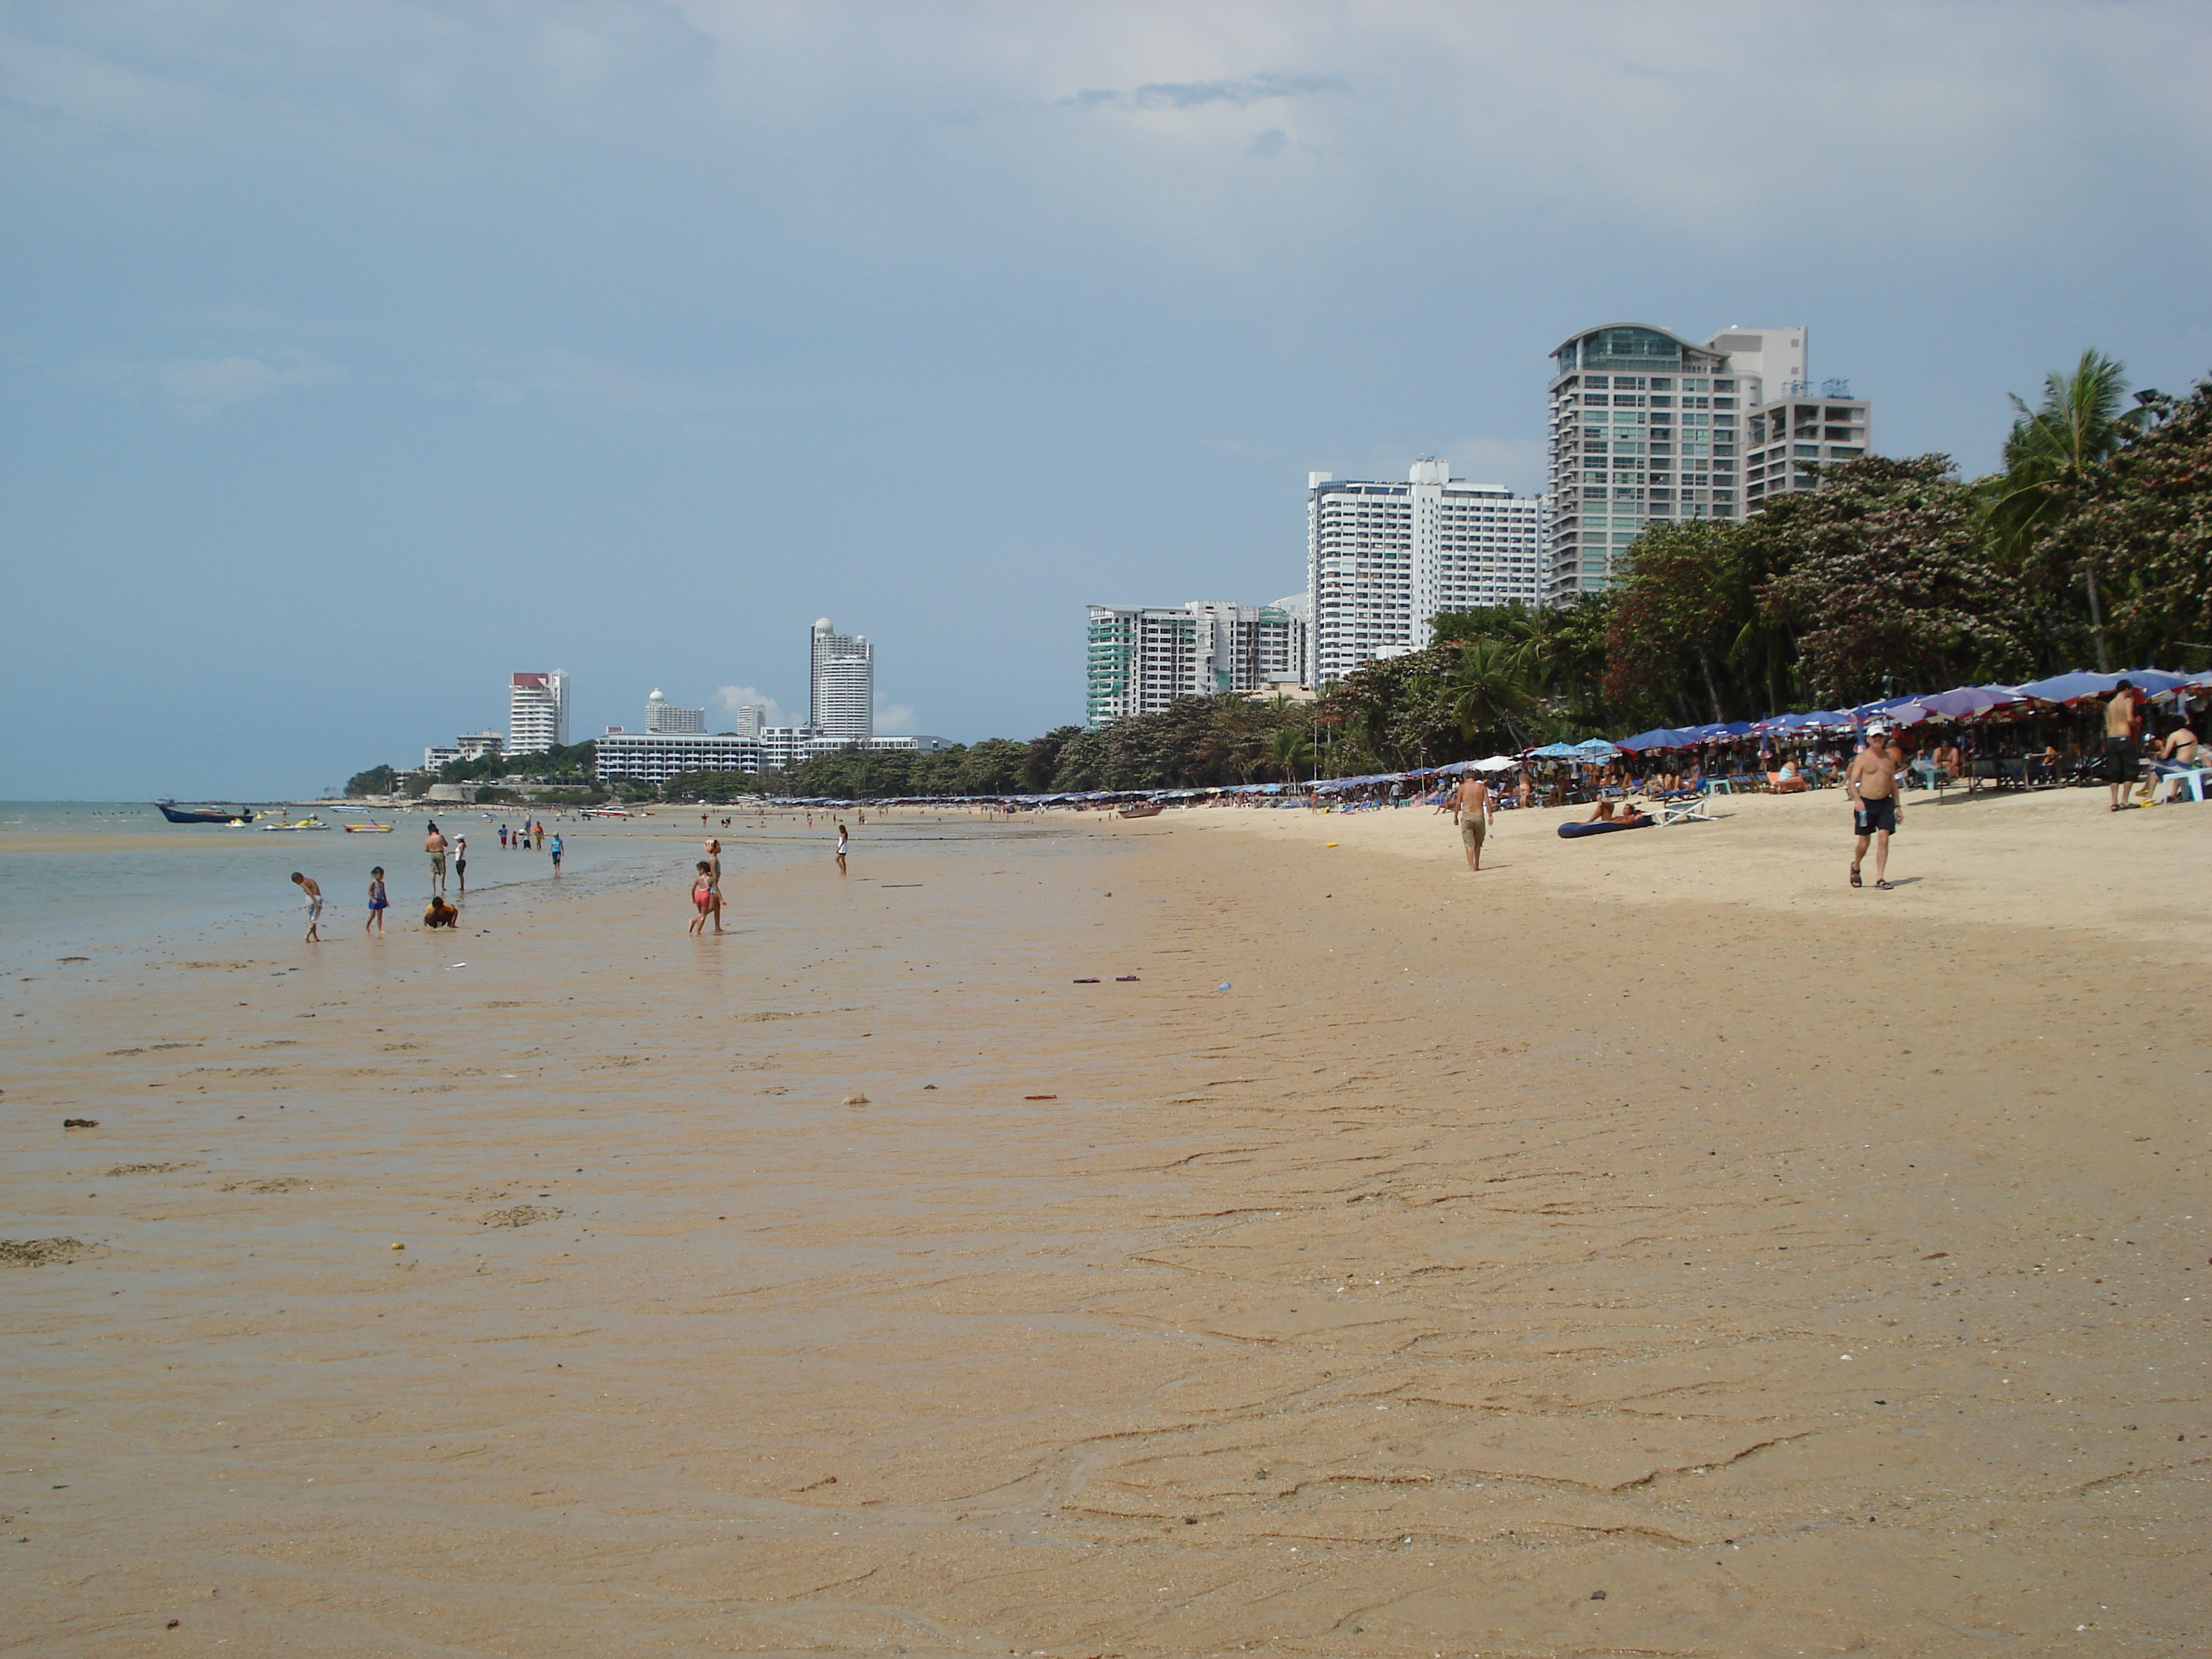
1886	579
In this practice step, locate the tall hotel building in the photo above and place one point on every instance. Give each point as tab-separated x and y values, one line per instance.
1382	559
1645	427
841	688
1141	658
536	712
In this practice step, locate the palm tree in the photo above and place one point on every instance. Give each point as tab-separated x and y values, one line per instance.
2078	424
1488	687
1289	752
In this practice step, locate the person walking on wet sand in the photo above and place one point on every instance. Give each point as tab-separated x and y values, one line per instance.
378	903
434	845
1471	811
1871	785
844	837
315	904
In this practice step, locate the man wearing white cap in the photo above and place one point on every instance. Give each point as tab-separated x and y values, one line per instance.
1871	783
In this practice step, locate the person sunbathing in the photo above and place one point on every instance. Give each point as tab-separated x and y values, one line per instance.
1788	780
1603	815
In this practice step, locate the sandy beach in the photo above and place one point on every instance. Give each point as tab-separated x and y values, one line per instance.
1647	1246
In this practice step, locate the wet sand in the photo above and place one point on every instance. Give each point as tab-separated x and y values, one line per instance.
1579	1258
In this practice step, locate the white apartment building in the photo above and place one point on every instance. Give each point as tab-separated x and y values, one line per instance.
663	716
841	686
536	712
1794	427
1772	358
1140	658
1382	559
469	746
656	756
1645	427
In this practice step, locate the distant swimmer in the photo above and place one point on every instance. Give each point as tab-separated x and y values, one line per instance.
315	905
1471	811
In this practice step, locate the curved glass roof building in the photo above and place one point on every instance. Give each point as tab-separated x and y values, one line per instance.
1643	425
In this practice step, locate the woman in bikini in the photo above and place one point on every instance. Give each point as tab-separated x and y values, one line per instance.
703	897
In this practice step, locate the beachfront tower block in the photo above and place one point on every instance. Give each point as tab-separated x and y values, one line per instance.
536	712
842	694
663	716
1794	426
1645	426
1382	559
1139	659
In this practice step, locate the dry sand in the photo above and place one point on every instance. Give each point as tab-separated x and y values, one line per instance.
1647	1246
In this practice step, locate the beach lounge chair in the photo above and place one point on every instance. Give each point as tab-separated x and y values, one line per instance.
1689	808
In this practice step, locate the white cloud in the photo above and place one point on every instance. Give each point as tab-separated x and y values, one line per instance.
893	718
1189	94
575	382
198	387
731	698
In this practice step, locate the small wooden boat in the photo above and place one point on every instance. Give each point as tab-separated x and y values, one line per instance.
367	829
1143	809
204	812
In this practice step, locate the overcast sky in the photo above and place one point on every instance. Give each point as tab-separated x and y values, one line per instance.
358	354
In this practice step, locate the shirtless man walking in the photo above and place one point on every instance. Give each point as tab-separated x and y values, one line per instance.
434	845
1471	811
1871	783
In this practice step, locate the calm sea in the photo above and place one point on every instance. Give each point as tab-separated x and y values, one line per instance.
87	877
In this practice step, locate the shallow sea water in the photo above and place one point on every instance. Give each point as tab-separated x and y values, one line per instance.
92	878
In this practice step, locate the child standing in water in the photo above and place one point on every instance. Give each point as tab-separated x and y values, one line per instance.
702	897
378	904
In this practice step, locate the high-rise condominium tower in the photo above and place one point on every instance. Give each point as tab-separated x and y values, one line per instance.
662	716
842	698
1382	559
536	712
1645	427
1141	658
